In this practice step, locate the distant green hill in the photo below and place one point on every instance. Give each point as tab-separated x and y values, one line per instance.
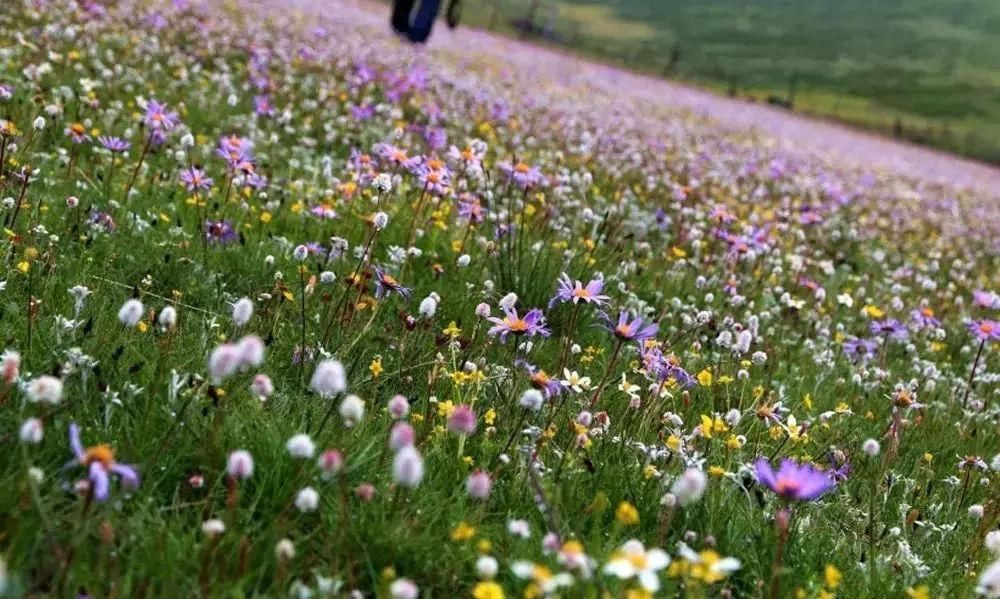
926	70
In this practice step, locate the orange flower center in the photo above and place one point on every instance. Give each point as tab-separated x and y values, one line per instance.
99	453
522	167
517	325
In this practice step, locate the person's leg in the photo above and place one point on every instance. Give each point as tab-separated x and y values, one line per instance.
420	29
401	10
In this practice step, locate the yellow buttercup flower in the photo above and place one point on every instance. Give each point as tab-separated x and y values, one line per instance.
487	590
627	514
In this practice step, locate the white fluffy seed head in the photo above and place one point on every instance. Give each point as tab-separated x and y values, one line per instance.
239	465
168	318
532	400
251	350
223	362
301	446
871	448
45	389
329	379
131	312
352	410
403	588
307	500
689	486
408	467
32	431
242	311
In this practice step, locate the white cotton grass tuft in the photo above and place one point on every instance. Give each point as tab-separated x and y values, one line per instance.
307	500
301	446
689	486
408	467
532	400
131	312
262	387
242	311
223	362
404	588
251	350
45	389
239	465
329	379
352	410
167	318
32	431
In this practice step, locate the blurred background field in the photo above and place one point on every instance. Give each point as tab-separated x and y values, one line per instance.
927	71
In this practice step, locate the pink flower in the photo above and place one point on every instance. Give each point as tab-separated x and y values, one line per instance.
399	407
330	462
479	485
401	435
462	420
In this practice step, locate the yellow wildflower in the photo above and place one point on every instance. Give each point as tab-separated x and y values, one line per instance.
627	514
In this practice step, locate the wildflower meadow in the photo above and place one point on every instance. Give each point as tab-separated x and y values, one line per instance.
289	308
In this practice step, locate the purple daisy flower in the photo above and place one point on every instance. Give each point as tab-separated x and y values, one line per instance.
159	117
532	324
541	380
923	318
859	350
985	330
890	328
471	209
220	231
798	482
636	330
524	175
114	144
386	284
262	106
194	179
569	291
100	463
986	299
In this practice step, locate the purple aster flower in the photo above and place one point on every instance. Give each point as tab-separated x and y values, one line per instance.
986	299
890	328
798	482
386	284
471	209
100	463
159	117
860	350
262	106
636	330
194	179
923	318
6	91
532	324
220	231
540	379
103	222
838	472
985	330
665	367
569	291
77	133
114	144
524	175
437	182
362	113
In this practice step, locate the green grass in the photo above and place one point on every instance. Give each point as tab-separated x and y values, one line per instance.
610	206
934	66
